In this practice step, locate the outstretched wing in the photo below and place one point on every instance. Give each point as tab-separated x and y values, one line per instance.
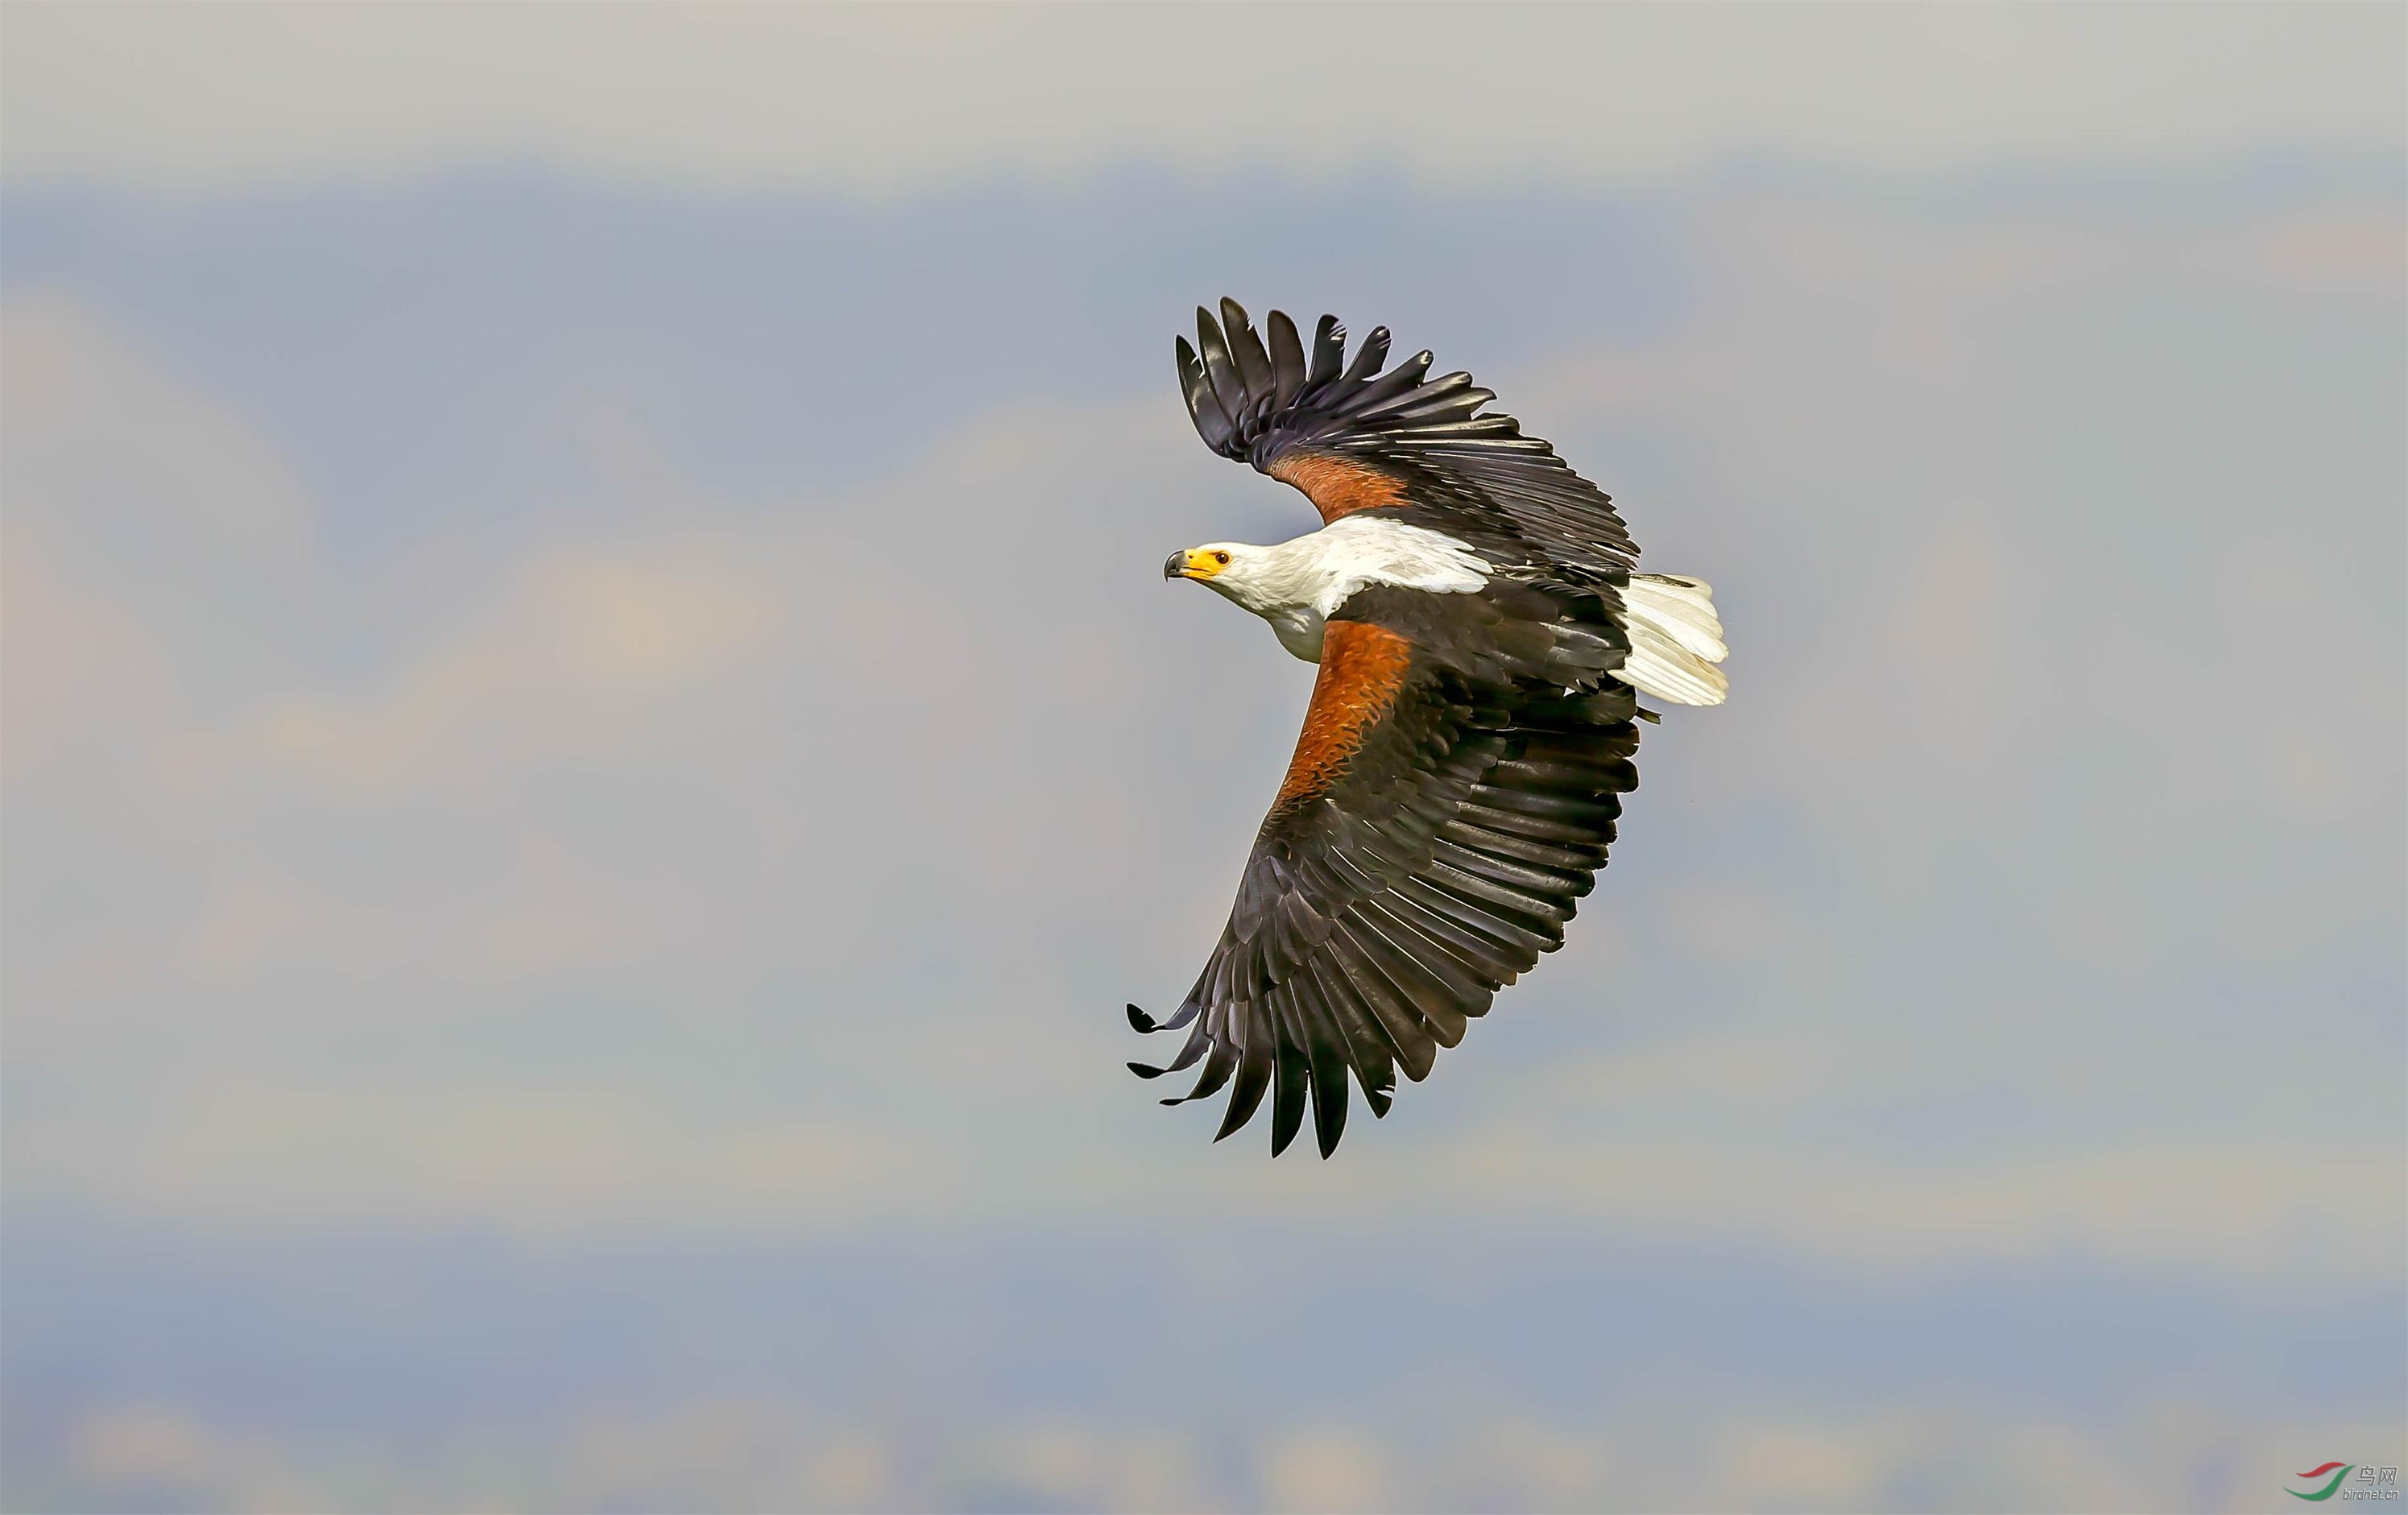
1428	842
1355	438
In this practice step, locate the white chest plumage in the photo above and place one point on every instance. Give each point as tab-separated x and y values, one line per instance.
1298	584
1298	629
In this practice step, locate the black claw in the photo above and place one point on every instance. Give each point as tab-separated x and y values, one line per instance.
1140	1020
1142	1071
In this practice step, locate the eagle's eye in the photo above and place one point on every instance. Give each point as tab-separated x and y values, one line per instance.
1220	558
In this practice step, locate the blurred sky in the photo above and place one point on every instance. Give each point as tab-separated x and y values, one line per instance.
594	742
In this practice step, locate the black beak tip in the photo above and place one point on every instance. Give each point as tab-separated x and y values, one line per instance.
1173	564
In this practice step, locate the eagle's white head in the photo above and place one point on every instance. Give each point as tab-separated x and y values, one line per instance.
1258	577
1282	584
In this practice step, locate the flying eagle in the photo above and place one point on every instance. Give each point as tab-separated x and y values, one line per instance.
1483	642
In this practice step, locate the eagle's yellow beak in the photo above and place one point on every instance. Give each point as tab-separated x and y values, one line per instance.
1195	563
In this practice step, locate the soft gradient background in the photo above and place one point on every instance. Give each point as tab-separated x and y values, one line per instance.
594	742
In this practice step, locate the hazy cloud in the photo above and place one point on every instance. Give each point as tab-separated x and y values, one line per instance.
881	100
766	1453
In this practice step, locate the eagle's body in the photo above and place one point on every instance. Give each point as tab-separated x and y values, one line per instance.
1483	642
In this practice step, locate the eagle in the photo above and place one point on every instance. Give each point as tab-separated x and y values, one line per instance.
1483	641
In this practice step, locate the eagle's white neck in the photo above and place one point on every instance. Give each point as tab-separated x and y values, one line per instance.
1296	584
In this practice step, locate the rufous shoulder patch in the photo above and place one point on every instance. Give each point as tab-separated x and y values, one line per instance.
1338	486
1362	668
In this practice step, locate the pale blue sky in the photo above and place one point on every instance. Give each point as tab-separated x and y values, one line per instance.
593	743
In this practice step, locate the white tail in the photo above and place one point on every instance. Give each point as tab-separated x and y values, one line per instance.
1675	640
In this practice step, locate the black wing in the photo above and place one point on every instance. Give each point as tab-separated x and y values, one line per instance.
1353	437
1447	804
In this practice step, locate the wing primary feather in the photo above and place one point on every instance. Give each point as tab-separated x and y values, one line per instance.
1217	1071
1413	948
1514	873
1211	422
1535	828
1368	357
1569	808
1494	959
1194	1003
1583	859
1328	352
1512	900
1440	989
1287	361
1291	1072
1198	1042
1576	771
1390	1006
1329	1096
1518	921
1325	1057
1367	1048
1253	364
1435	403
1221	370
1406	375
1253	1076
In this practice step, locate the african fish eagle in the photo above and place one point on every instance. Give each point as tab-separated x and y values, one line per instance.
1483	642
